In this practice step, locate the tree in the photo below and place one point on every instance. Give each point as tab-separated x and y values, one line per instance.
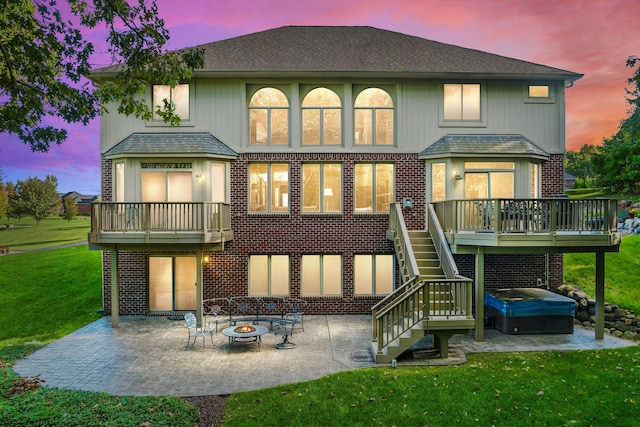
13	209
618	163
44	59
36	198
3	200
69	208
580	163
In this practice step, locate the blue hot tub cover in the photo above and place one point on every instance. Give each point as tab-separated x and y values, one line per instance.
521	302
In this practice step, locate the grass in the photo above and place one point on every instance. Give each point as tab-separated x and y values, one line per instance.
25	235
620	274
59	291
533	389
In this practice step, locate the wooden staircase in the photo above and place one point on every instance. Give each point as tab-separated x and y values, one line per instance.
433	299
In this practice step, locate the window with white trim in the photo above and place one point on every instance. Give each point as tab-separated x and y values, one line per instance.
321	275
373	274
269	275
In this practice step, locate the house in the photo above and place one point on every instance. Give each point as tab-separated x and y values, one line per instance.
569	181
83	202
344	166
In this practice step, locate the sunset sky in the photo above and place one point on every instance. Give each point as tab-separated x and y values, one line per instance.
591	37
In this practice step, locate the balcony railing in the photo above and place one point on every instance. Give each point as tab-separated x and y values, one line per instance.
528	215
204	218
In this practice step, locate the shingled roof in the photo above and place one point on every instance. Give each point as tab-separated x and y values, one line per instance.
361	50
494	145
183	144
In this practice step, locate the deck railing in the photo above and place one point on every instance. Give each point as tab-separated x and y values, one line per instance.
160	217
550	215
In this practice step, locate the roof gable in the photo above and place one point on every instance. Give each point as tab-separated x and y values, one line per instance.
331	49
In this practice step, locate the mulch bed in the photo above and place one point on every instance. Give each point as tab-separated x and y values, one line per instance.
211	409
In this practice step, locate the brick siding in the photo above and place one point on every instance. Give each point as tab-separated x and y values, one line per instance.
296	234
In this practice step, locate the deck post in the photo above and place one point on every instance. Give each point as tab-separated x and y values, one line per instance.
199	256
599	295
115	298
480	294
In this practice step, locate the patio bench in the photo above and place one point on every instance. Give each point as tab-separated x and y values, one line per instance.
259	310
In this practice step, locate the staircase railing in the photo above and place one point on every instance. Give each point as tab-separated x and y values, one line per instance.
440	243
414	300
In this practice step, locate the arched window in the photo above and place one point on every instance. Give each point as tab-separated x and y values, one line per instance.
373	118
269	118
321	118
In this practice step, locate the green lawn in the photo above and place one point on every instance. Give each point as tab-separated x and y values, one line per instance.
45	295
25	235
621	273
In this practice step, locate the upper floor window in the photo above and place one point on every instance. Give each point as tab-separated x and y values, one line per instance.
373	118
177	97
321	118
321	187
119	182
538	91
373	187
462	102
269	187
269	118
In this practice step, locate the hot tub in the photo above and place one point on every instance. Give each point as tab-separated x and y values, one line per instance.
520	311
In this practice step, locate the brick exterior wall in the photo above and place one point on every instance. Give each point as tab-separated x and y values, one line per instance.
296	234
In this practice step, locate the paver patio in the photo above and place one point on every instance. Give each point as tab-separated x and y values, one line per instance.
146	355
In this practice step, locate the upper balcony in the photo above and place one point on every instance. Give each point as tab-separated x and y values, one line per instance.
530	225
146	223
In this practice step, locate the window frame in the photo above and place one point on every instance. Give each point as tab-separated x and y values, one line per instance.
269	275
374	194
158	122
482	122
528	99
323	202
374	281
269	110
269	196
321	110
322	274
374	116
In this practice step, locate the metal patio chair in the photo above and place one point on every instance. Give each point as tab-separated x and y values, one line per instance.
196	330
284	328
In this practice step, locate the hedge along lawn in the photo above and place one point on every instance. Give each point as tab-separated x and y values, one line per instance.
620	274
45	295
24	235
553	388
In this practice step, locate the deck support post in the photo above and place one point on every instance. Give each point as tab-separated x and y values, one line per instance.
480	294
199	257
115	297
599	295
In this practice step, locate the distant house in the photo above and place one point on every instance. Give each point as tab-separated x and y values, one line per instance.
569	181
83	202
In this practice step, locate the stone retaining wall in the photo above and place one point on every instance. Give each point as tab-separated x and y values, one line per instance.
618	321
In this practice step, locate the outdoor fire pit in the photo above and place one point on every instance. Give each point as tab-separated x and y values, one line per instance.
244	329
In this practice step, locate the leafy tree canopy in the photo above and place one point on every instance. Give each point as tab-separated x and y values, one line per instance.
618	164
44	57
36	198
